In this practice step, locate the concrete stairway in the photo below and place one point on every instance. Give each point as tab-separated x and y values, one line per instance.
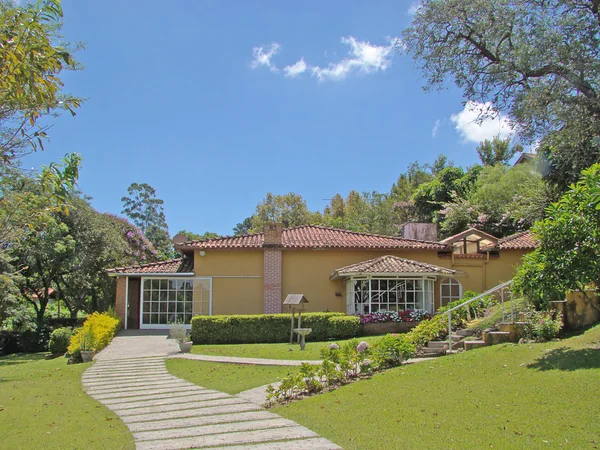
165	412
507	332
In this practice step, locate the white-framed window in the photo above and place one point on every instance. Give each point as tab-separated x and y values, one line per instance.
450	290
365	295
171	300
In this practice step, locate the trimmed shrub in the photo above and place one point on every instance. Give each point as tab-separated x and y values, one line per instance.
344	327
59	340
263	328
391	350
428	330
99	328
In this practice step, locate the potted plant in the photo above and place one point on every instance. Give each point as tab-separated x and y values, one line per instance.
179	333
87	346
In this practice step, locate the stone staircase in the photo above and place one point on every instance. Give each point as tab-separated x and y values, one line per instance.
507	332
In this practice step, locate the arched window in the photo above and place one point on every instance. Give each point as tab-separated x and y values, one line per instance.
450	290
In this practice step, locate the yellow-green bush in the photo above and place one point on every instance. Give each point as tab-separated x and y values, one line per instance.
96	333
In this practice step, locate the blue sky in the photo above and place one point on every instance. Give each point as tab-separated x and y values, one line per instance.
216	103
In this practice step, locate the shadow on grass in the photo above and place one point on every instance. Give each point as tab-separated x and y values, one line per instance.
20	358
565	358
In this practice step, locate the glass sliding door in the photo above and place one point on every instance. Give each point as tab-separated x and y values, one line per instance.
174	300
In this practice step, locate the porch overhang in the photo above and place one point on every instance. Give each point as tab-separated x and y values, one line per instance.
391	266
152	274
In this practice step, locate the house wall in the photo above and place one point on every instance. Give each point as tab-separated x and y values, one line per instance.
237	286
307	272
238	283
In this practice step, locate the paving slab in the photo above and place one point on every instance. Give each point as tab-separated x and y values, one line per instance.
304	444
244	437
165	412
198	421
192	412
173	433
217	401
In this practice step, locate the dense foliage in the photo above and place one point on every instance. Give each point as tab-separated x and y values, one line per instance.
146	211
535	61
32	59
569	244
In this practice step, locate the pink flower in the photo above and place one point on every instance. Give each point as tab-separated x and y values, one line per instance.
334	346
362	347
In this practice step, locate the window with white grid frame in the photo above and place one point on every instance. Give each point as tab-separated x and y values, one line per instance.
450	290
166	301
392	294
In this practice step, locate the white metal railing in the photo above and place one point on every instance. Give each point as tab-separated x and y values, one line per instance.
501	287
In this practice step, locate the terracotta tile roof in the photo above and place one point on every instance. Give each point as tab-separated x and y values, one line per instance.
315	236
518	241
179	265
390	264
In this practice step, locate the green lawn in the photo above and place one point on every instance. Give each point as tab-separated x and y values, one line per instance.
230	378
496	314
507	396
271	351
42	405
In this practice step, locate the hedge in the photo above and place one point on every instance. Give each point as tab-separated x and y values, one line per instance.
264	328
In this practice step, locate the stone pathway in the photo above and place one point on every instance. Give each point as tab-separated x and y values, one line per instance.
165	412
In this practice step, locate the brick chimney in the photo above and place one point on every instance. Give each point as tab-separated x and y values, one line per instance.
272	268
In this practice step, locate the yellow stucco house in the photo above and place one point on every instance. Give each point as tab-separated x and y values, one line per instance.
336	270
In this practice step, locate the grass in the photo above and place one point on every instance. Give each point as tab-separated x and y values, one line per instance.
230	378
42	405
505	396
496	314
270	351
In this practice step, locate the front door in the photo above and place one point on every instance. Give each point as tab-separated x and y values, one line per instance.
133	302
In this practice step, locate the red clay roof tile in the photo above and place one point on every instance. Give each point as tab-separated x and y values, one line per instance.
315	236
179	265
518	241
391	264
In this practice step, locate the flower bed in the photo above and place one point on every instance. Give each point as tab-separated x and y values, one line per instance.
409	315
383	322
341	365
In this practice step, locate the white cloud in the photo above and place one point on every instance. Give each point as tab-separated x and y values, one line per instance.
295	69
263	57
414	7
435	129
362	57
473	129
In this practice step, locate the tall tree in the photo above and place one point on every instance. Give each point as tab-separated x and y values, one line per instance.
243	228
537	61
289	209
146	211
191	236
429	198
496	151
32	58
502	201
569	244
